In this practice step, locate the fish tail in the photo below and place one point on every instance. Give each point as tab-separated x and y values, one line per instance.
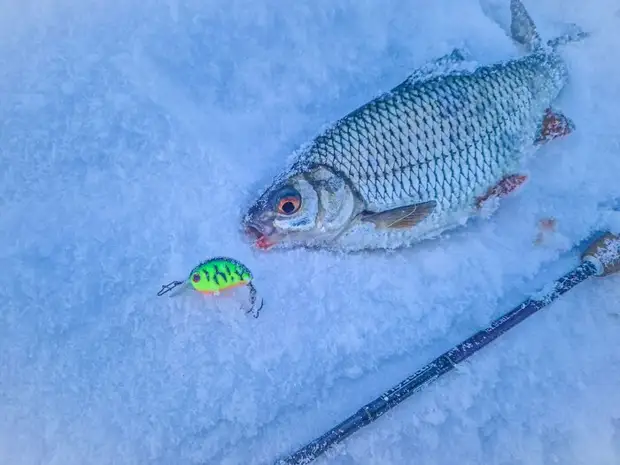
523	30
572	36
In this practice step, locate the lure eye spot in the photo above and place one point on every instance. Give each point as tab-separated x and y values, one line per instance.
196	277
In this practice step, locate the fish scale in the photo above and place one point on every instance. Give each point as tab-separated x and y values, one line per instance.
421	158
475	141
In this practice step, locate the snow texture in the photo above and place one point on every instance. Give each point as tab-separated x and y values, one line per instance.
135	133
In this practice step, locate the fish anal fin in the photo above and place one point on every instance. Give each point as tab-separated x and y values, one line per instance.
507	185
400	217
554	124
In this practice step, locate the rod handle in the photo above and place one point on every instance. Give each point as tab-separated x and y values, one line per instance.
604	254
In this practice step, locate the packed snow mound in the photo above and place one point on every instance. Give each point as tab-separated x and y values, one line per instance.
135	133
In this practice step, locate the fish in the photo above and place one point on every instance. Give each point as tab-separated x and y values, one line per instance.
422	158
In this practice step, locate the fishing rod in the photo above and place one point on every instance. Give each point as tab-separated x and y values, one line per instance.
601	258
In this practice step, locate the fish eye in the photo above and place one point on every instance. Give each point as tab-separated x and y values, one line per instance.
289	205
196	277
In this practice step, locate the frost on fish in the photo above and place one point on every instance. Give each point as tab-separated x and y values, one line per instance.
429	149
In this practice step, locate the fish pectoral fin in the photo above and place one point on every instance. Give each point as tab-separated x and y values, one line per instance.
400	217
554	124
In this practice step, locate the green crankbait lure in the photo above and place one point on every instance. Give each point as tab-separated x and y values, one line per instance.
217	275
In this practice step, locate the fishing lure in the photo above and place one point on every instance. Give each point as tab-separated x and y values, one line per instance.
215	276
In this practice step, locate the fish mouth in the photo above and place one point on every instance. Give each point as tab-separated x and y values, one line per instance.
260	239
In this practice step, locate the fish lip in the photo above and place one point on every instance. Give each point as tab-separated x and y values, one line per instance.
264	243
261	239
253	230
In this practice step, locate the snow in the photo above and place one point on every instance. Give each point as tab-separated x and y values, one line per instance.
134	135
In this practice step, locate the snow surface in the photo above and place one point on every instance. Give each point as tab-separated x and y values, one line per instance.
133	135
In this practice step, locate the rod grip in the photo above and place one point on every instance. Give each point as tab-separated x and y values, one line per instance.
604	253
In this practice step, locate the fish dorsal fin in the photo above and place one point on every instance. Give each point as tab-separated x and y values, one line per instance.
400	217
457	60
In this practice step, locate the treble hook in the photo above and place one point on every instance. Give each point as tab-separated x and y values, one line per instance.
253	295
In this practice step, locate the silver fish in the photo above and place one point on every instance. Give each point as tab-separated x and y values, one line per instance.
422	158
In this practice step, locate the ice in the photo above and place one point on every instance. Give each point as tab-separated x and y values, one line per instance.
134	134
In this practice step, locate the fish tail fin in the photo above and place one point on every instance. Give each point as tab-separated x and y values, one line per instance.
576	35
523	30
522	27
